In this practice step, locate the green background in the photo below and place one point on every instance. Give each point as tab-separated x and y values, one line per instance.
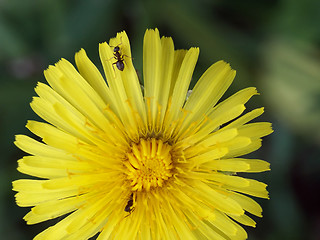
274	45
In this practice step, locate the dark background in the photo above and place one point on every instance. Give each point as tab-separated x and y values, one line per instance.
273	44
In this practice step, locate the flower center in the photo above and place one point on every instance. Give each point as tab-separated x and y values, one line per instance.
148	164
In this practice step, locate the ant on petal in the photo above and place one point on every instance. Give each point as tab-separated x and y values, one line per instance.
129	208
120	58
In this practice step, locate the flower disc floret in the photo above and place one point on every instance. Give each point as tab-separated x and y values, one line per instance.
149	164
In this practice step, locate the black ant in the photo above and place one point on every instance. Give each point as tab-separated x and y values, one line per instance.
129	207
120	58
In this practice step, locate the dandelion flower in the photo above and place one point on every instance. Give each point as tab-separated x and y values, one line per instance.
122	161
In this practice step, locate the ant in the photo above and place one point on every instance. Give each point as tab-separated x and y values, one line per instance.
129	207
120	58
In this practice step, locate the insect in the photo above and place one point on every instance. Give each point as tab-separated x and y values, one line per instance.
120	58
129	207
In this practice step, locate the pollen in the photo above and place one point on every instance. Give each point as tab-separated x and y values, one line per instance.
149	164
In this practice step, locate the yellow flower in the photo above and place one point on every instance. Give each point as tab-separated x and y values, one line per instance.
129	164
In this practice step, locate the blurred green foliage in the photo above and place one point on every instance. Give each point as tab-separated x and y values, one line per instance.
273	44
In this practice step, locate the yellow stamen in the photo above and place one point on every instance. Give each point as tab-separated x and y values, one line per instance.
149	164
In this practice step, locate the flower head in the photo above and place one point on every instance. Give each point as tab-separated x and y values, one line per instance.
131	162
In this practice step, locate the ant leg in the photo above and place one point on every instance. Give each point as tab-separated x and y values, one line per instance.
114	71
127	56
112	65
110	58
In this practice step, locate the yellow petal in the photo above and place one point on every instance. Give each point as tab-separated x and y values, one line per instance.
226	111
116	85
59	139
244	148
47	132
227	165
53	209
40	172
256	130
31	192
87	131
179	55
152	56
83	103
238	165
92	75
219	137
34	147
82	180
45	110
255	165
129	75
167	60
222	115
245	118
219	201
57	163
181	86
208	156
247	204
255	188
208	90
244	219
220	179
